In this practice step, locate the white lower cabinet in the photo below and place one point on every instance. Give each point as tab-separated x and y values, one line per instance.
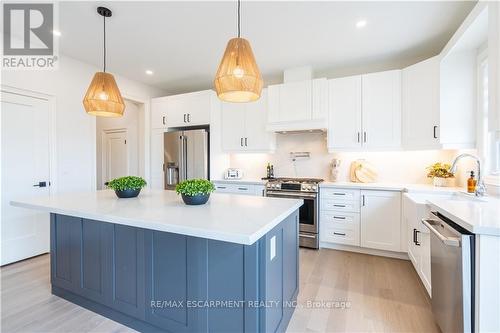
366	218
381	220
235	188
419	247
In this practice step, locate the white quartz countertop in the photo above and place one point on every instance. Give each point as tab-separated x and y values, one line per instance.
243	181
392	187
478	216
231	218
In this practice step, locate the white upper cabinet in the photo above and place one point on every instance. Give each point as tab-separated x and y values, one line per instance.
244	126
381	220
300	105
365	112
344	124
381	110
420	101
191	109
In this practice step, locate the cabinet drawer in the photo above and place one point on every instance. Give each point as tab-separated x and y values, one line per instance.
340	220
340	205
235	188
334	234
340	194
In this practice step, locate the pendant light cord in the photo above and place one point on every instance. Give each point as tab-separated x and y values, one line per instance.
104	48
239	24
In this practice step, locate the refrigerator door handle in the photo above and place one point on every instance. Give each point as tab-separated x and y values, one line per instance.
182	176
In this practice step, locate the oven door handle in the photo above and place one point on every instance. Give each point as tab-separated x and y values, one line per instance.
290	195
306	236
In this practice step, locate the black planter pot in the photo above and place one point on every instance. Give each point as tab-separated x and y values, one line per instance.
128	193
199	199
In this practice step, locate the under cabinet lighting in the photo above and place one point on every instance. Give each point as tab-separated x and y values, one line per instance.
149	72
361	24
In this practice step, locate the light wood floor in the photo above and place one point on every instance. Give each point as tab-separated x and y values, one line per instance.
384	295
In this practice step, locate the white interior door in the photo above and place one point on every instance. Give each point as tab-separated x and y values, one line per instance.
24	167
115	155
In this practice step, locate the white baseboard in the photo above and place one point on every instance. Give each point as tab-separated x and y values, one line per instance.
357	249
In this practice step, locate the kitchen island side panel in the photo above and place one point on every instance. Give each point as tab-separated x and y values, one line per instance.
157	281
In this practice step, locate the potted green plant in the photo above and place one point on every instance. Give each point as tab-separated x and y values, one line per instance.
127	187
195	191
440	173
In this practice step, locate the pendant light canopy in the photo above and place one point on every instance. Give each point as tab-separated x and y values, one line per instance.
103	97
238	78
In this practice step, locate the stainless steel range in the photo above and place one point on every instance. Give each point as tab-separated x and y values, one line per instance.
308	190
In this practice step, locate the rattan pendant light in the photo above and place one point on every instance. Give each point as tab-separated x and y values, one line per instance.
103	97
238	78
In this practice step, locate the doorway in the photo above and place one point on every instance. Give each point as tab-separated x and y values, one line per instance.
25	172
120	145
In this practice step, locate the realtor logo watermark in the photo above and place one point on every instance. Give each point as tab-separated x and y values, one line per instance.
28	39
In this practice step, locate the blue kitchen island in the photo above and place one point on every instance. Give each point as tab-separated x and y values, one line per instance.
157	265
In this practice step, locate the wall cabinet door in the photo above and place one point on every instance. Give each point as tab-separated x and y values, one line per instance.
381	105
344	124
381	220
158	112
296	101
189	109
420	104
257	137
233	126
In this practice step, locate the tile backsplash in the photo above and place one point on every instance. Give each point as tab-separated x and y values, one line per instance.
392	166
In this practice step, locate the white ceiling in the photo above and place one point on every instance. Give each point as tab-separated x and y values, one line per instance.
182	42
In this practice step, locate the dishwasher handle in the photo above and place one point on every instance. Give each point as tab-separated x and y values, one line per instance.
451	241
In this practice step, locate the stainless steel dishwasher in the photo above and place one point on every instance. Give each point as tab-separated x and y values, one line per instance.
452	274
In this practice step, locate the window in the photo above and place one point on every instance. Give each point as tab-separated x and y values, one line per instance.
488	141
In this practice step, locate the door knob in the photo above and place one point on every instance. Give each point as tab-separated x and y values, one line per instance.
40	184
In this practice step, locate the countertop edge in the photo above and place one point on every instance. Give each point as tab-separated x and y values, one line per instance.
176	229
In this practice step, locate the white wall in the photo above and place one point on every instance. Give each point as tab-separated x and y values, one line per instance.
75	130
393	167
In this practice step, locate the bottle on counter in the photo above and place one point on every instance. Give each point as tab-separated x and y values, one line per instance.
471	183
272	171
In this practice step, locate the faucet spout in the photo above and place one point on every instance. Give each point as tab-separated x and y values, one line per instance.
480	188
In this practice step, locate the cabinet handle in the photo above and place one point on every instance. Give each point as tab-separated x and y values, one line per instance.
189	117
246	142
358	137
338	205
338	233
339	217
434	131
363	200
241	142
185	118
415	237
338	193
221	187
364	137
243	188
163	120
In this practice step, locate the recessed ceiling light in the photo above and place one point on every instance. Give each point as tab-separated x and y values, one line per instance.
360	24
149	72
56	33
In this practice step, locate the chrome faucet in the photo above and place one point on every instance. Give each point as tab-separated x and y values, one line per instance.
480	187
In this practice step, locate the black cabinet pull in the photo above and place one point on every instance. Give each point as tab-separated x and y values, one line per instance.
364	136
339	217
339	206
241	142
163	120
339	234
434	130
246	142
243	188
415	237
337	193
189	117
40	184
221	187
363	200
185	118
358	137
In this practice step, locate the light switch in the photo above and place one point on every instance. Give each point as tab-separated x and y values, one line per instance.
272	250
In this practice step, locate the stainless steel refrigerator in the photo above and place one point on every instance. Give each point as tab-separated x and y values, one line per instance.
185	155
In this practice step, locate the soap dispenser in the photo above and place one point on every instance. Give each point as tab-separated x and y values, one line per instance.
471	183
